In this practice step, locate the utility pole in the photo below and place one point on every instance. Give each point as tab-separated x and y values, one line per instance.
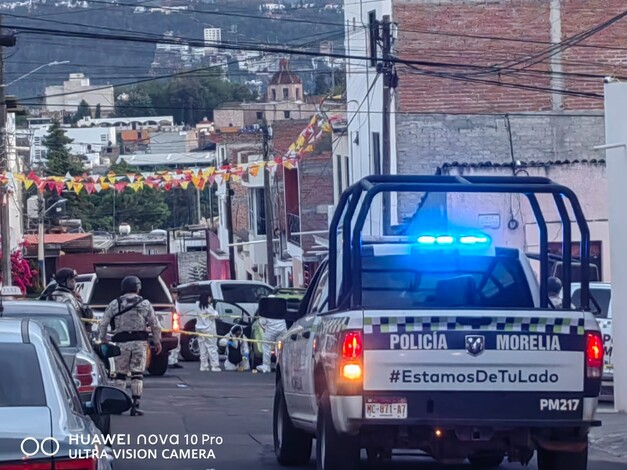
41	234
229	216
268	205
390	81
5	41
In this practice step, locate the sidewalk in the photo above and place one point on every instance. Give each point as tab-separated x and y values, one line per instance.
611	437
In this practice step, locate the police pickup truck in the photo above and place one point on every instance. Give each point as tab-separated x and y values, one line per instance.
437	341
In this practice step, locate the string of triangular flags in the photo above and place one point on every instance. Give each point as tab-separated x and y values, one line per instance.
180	178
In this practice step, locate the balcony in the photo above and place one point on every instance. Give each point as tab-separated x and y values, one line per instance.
293	227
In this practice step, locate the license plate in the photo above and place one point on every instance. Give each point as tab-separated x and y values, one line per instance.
385	408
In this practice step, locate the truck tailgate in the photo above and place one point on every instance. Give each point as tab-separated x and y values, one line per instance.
469	365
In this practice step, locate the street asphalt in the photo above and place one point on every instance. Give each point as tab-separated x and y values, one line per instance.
186	404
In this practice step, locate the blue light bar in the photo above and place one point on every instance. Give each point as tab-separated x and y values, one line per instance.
467	240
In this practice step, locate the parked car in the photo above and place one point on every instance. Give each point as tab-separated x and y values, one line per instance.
236	303
40	408
87	368
293	297
98	289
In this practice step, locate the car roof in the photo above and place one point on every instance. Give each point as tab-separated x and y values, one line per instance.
35	307
13	330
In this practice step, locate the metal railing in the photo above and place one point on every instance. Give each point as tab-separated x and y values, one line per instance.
293	227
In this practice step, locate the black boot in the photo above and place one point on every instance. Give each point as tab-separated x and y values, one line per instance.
135	408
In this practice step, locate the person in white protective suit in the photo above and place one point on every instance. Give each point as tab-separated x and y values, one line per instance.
272	330
237	350
206	325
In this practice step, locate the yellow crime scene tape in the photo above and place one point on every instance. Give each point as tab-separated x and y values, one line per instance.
194	333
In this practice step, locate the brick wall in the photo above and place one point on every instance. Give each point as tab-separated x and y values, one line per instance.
440	120
426	142
529	20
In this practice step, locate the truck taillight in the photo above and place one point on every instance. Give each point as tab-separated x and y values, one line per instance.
26	465
352	351
176	322
76	464
85	375
594	354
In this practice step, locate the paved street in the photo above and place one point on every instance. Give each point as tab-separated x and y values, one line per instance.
238	408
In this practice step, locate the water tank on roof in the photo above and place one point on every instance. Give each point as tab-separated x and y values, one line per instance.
125	229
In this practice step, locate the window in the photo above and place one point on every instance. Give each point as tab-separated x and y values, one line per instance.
320	296
61	329
21	384
452	281
602	298
340	176
64	379
259	115
37	141
347	173
38	154
376	153
273	94
297	93
257	211
373	26
286	114
286	93
103	137
244	293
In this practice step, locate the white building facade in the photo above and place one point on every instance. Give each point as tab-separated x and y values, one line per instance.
212	37
87	141
67	97
364	101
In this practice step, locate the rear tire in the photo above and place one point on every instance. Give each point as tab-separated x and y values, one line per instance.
189	347
292	446
334	451
486	461
553	460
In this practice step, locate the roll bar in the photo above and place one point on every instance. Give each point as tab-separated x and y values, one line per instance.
355	203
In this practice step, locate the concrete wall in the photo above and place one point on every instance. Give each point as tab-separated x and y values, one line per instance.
491	213
427	142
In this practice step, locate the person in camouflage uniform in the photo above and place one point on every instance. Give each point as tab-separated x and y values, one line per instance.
65	292
128	317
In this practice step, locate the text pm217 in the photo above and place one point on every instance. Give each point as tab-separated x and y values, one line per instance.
386	408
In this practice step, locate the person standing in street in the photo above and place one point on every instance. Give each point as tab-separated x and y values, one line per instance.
272	330
206	325
128	316
173	358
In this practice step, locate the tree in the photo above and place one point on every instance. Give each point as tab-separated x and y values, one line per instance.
135	103
60	161
83	111
143	210
98	111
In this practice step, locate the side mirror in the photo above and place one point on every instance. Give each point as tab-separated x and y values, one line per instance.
108	401
273	308
107	351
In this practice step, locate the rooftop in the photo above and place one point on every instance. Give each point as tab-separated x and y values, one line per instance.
284	76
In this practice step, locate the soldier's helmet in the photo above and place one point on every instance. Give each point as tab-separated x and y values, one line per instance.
131	284
63	275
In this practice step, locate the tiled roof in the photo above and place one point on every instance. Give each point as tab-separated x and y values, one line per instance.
284	76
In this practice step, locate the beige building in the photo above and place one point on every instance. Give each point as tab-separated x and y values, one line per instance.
67	97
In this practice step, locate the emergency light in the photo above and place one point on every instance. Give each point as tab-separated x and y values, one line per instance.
468	240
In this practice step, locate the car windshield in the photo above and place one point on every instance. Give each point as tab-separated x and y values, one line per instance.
602	297
244	293
21	384
456	281
61	327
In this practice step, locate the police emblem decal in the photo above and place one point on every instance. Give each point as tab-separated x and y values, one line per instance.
475	344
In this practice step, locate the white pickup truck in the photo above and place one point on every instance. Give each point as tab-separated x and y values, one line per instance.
436	341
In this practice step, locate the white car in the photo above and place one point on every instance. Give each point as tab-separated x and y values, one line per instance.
602	309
